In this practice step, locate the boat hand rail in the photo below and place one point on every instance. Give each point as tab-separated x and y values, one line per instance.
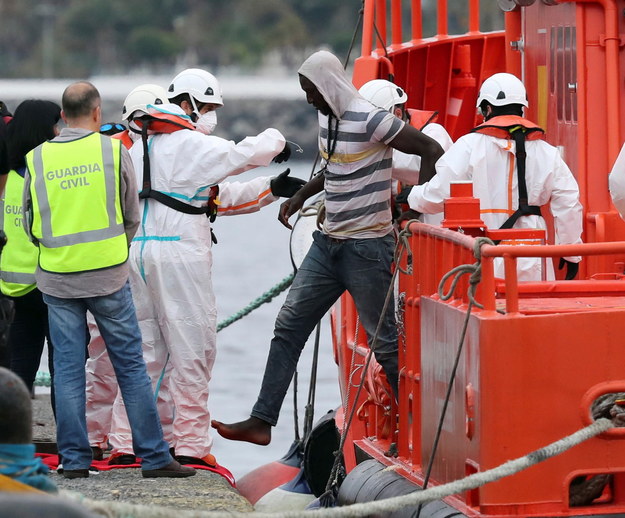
583	249
375	23
434	251
467	241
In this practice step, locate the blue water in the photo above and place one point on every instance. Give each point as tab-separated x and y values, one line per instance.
251	257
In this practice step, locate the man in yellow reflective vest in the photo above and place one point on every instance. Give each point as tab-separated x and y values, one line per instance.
81	209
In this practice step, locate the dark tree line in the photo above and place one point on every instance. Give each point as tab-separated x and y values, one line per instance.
79	38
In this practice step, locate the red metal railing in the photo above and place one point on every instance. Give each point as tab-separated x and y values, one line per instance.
376	10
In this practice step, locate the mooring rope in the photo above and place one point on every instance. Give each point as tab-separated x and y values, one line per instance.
125	510
264	298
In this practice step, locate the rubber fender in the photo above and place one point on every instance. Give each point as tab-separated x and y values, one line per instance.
370	481
263	479
293	496
319	450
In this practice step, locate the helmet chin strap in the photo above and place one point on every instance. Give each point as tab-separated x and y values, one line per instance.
195	115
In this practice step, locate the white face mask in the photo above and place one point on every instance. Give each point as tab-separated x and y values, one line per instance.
207	122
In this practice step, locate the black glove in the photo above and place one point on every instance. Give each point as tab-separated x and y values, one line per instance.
285	185
402	197
407	215
571	269
284	155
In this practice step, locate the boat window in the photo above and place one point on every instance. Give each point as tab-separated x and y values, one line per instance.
563	72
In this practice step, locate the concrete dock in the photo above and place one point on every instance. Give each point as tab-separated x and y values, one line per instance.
206	491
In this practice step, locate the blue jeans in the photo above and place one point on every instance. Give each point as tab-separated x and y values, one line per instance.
360	266
116	319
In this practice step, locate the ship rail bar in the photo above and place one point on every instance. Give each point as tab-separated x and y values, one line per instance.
119	509
437	250
375	17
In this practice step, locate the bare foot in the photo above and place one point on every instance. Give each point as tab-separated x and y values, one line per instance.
252	430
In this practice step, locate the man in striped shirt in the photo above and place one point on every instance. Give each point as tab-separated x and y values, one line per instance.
354	250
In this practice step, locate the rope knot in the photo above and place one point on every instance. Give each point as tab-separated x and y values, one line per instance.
474	270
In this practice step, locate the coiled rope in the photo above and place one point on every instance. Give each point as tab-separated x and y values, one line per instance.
124	510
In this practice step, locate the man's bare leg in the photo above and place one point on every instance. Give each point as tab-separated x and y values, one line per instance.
252	430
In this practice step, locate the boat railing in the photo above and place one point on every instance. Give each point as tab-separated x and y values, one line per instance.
430	252
376	36
433	252
454	64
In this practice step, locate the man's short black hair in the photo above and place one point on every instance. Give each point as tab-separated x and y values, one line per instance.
507	109
179	98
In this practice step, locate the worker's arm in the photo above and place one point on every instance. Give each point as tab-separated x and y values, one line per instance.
296	202
410	140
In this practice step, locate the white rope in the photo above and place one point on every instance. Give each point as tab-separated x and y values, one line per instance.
123	510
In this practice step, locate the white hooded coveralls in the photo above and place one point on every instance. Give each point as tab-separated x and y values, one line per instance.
170	272
616	182
406	168
490	163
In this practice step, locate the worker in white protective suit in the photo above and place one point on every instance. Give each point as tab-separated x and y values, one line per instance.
171	254
616	182
102	386
406	168
489	157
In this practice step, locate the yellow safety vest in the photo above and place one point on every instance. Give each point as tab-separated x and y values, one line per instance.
76	204
18	260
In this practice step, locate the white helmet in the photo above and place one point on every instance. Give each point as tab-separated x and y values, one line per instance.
383	94
199	84
140	97
502	89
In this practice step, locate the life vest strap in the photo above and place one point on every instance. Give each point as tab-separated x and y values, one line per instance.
210	210
520	130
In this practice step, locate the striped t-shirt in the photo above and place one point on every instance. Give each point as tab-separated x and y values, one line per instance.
358	176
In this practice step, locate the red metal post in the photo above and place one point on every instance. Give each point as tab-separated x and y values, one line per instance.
512	284
612	43
367	28
442	18
474	16
417	20
380	20
513	34
396	31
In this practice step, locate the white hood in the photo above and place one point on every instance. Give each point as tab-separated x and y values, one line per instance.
325	71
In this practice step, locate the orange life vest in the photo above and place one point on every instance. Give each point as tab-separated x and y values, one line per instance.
159	122
519	129
421	118
124	136
503	126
